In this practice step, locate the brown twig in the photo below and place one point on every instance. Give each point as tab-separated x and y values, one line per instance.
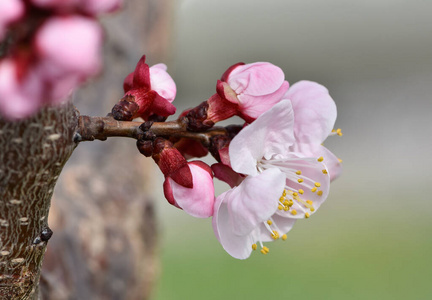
100	128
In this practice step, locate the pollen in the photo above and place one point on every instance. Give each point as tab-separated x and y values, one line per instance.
280	207
265	250
275	235
312	209
324	171
319	193
320	159
339	132
313	189
317	184
295	194
340	160
301	191
286	208
307	215
269	222
254	246
293	212
284	193
309	202
300	180
284	237
298	172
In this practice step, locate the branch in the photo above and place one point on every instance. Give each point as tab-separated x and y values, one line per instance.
101	128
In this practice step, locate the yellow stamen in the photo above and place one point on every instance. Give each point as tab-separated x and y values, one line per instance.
324	171
284	237
309	202
339	132
275	235
340	160
307	215
317	184
284	193
319	193
293	212
295	194
286	208
300	180
312	209
298	172
290	203
254	246
301	191
320	159
269	222
280	207
313	189
265	250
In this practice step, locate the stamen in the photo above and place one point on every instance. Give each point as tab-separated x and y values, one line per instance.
319	193
317	184
298	172
320	159
293	212
300	180
275	235
254	246
324	171
284	237
307	215
269	222
313	190
301	191
265	250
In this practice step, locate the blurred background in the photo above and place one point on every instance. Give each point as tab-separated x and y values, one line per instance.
372	238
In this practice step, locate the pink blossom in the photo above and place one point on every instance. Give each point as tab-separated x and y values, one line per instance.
148	91
281	184
19	97
197	201
69	52
10	11
314	118
254	88
91	7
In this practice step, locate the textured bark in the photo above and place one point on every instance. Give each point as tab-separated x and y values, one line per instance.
105	235
32	155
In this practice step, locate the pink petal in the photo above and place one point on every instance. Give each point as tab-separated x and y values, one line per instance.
69	44
162	83
254	106
240	211
229	70
314	111
199	200
256	79
19	98
271	133
11	10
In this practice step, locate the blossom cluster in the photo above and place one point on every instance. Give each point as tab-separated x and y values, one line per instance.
275	163
50	48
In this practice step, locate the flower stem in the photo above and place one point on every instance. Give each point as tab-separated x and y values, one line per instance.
101	128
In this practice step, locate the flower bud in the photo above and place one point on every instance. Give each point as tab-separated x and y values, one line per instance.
197	201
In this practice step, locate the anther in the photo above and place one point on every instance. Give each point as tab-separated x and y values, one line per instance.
300	180
254	246
317	184
301	191
275	235
307	215
309	202
269	222
319	193
284	237
313	190
324	171
320	159
298	172
293	212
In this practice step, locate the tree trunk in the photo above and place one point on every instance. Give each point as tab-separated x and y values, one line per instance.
32	155
104	244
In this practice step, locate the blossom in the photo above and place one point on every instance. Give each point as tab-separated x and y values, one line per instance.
245	90
314	118
253	88
198	201
63	63
147	91
91	7
280	185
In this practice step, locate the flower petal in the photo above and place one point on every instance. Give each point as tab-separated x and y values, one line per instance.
254	106
260	78
271	133
162	83
199	200
314	111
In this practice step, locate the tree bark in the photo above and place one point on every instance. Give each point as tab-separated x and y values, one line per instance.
32	155
104	244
